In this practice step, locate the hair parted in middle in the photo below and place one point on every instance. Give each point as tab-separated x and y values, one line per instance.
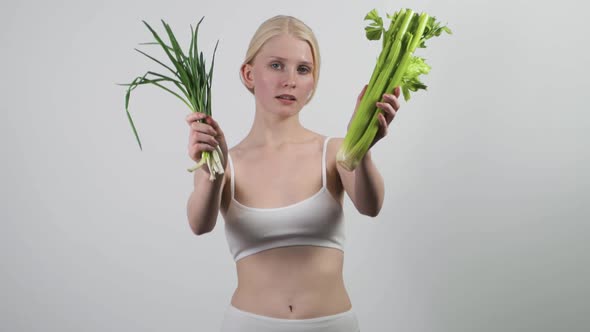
278	25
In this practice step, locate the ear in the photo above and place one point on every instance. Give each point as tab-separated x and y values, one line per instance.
246	74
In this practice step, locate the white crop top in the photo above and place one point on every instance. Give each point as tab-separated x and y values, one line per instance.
315	221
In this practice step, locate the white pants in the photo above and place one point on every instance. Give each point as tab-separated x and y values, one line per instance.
236	320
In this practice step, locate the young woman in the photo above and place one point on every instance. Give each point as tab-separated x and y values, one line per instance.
282	191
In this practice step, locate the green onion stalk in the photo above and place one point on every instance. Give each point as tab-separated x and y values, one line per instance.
193	83
396	66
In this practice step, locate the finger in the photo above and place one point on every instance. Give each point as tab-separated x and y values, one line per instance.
397	91
203	128
381	131
393	100
192	138
388	111
383	125
202	133
362	92
195	116
215	126
196	150
360	96
204	138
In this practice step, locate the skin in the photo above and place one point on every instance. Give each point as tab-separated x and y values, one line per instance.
295	282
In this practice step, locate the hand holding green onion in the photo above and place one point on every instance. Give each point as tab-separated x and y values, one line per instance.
193	83
204	137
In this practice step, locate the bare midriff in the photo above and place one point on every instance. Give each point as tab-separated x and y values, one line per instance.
296	282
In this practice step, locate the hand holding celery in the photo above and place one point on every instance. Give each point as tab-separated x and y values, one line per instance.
193	83
396	66
388	109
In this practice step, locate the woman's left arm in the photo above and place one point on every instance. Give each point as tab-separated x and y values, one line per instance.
364	185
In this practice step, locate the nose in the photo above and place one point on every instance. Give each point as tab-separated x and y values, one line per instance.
290	79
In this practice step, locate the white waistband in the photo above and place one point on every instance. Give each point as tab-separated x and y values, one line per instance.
235	310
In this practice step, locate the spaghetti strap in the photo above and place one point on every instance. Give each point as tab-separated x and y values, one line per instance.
324	163
231	176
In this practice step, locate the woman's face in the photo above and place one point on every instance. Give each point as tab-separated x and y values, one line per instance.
282	74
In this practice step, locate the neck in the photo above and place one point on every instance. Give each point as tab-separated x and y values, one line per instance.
273	130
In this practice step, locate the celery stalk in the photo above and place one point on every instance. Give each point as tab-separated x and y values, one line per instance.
396	66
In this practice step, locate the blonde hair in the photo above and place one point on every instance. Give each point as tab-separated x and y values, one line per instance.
282	24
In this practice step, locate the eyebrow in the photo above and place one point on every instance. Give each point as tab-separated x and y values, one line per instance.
283	59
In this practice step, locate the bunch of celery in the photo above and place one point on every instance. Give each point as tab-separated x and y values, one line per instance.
192	80
396	66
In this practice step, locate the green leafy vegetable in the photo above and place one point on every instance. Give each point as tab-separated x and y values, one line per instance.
190	78
396	66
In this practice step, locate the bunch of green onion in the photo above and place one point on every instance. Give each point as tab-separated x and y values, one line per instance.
396	66
192	80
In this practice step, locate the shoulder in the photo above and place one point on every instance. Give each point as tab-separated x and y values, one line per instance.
333	145
335	141
332	155
235	153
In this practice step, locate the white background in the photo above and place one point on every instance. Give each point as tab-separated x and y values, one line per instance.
486	208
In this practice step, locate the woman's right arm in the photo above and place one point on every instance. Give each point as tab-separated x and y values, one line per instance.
204	202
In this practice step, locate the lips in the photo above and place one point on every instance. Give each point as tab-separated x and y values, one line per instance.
286	97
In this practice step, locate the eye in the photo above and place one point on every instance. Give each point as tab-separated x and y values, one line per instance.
276	65
303	69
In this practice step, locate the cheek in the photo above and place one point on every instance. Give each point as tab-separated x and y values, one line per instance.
308	84
263	87
263	81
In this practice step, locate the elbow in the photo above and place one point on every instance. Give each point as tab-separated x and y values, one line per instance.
371	210
194	229
371	213
198	228
369	203
198	231
201	223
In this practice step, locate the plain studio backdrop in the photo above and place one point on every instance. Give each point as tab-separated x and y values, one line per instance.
486	206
